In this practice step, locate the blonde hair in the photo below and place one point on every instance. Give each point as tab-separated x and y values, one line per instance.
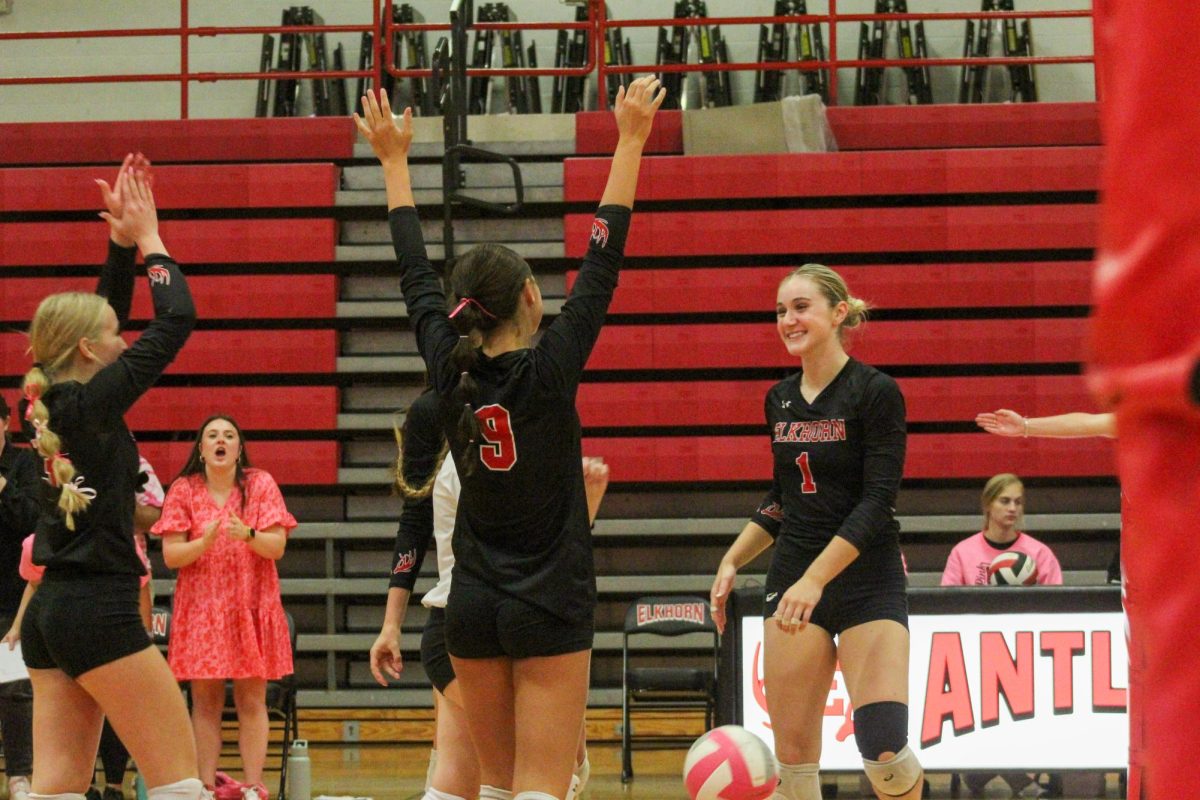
60	322
835	290
399	483
993	489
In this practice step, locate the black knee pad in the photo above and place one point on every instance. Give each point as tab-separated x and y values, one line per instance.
881	728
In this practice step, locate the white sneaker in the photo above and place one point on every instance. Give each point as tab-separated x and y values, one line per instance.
18	787
580	778
255	792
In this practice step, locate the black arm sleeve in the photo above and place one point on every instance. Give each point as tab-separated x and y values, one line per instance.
769	514
422	445
885	438
568	341
116	280
19	500
423	295
116	387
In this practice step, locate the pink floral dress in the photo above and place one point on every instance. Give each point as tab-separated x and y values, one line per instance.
227	618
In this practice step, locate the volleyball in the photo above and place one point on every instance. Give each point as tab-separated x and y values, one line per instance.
1012	569
730	763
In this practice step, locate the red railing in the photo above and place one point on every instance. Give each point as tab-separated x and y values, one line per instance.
597	25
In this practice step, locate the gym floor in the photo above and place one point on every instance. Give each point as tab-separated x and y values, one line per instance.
397	772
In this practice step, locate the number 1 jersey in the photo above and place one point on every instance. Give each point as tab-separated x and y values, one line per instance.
837	460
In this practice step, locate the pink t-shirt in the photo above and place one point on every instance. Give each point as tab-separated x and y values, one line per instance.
969	560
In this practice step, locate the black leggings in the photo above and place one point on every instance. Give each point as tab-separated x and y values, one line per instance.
113	756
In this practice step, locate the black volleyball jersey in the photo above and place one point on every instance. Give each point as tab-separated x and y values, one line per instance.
838	461
522	523
88	419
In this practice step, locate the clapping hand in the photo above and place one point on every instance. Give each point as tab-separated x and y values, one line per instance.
114	196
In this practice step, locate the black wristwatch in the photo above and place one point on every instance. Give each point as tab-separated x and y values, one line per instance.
251	536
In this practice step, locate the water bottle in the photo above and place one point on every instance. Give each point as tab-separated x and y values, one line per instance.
299	777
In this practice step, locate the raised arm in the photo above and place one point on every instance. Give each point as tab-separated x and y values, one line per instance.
634	110
1004	422
390	143
116	277
568	341
116	387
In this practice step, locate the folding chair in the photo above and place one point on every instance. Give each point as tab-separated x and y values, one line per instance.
665	688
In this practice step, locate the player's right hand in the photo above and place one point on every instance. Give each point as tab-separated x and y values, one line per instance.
717	597
386	658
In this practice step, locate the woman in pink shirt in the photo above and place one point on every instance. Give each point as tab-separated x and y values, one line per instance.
1003	503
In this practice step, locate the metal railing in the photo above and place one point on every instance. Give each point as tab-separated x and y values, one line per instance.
597	25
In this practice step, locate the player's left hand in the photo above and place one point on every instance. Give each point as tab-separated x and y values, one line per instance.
389	140
797	604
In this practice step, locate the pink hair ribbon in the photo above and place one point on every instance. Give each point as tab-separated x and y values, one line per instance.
471	301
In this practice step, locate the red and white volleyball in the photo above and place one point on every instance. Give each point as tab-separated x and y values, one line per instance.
1012	569
730	763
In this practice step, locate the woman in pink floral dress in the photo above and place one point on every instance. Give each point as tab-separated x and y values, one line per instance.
224	525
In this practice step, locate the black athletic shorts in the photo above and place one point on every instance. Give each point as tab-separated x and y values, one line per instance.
483	622
434	656
871	588
79	622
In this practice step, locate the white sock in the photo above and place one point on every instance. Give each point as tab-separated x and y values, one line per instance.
432	766
583	772
434	794
535	796
186	789
492	793
63	796
799	782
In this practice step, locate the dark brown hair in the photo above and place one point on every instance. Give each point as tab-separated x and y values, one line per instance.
195	465
492	277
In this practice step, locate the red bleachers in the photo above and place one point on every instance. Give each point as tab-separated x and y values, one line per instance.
690	459
953	157
894	127
187	141
233	168
219	241
292	462
670	404
969	285
241	352
216	297
852	230
991	170
255	408
920	342
192	186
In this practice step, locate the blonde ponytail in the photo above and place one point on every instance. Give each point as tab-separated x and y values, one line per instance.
60	322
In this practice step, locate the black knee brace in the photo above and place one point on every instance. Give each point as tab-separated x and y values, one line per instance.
881	728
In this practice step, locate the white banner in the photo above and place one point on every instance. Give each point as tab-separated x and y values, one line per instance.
1019	691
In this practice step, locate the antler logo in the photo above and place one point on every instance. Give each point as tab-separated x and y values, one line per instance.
158	274
405	563
600	232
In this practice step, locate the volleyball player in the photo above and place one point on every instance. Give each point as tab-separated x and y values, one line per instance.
430	486
519	619
84	643
835	590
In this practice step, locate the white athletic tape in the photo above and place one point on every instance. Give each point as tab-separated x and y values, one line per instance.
186	789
